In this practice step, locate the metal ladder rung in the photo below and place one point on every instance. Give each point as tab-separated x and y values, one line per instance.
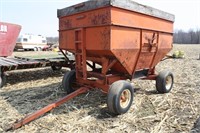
79	69
80	54
78	42
78	29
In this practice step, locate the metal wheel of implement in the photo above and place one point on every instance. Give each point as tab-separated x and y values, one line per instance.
35	49
56	68
2	79
120	97
68	81
164	81
39	49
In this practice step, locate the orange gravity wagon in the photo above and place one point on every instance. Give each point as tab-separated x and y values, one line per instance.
112	40
115	40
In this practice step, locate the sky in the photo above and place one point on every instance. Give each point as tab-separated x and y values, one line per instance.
40	16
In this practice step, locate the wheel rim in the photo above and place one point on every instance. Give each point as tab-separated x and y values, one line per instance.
169	82
125	98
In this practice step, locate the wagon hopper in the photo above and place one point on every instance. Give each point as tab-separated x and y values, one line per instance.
125	38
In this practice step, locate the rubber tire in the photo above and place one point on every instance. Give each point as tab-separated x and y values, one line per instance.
2	80
161	81
68	79
196	127
56	68
113	98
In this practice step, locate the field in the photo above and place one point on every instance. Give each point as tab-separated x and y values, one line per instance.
29	90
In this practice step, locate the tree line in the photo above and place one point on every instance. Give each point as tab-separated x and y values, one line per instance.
189	37
52	40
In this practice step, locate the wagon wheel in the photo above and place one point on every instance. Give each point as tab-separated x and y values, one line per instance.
56	68
120	97
164	81
2	79
68	81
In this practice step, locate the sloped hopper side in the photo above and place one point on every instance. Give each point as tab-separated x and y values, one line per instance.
137	40
8	36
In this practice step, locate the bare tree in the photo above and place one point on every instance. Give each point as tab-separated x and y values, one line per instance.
52	40
189	37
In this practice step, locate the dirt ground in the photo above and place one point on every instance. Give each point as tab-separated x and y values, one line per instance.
29	90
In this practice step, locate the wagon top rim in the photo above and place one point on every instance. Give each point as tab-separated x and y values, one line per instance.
124	4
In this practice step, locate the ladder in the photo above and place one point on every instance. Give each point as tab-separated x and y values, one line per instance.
80	54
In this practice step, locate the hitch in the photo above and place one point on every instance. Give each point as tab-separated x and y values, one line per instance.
46	109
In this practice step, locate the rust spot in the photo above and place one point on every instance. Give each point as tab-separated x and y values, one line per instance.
65	24
151	39
105	38
101	18
151	42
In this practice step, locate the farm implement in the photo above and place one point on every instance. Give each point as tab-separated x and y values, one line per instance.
56	62
112	41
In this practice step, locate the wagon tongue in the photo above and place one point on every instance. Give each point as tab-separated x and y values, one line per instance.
46	109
